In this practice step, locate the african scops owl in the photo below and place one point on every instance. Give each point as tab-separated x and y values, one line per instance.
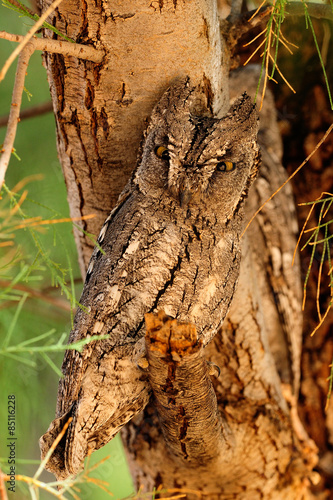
172	244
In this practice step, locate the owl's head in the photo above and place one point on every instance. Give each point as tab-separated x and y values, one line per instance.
201	160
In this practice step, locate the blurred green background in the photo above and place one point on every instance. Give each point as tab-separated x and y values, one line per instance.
35	387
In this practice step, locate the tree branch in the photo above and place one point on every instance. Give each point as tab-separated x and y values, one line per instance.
14	114
317	10
59	47
236	9
32	111
28	37
184	395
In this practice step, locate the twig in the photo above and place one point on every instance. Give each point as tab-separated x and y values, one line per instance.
3	492
14	114
34	483
37	221
20	6
28	37
280	73
327	133
38	110
316	10
235	27
38	294
24	11
59	47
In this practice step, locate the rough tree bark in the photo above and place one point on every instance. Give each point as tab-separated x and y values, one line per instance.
101	111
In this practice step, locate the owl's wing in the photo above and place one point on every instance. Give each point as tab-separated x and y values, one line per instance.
103	387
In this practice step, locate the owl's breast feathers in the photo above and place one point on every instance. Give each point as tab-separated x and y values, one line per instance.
154	260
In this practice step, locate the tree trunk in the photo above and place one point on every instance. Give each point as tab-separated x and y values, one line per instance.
101	111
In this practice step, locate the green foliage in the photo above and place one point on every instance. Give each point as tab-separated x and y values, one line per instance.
71	487
29	346
273	37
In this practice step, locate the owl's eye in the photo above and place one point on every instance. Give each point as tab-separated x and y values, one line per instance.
162	152
225	166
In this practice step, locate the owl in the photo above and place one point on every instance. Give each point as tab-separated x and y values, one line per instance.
171	243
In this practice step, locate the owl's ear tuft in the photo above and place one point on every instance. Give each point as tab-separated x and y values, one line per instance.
243	114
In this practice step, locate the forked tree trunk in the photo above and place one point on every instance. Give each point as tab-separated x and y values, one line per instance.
101	111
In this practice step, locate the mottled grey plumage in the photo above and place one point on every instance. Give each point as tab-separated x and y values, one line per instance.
171	243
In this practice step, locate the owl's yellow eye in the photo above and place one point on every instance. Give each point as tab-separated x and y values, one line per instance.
225	166
162	152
